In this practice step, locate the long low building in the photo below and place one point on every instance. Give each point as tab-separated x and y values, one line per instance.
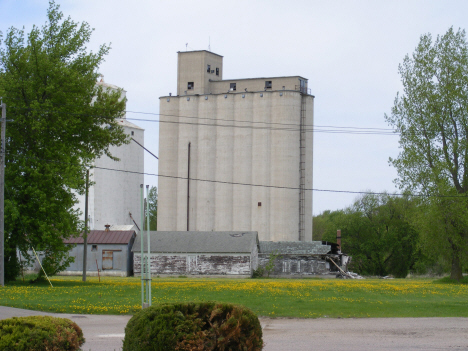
199	253
236	253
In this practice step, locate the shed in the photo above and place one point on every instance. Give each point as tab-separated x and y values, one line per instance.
299	258
108	250
199	253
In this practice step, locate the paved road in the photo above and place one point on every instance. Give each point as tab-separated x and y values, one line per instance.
104	332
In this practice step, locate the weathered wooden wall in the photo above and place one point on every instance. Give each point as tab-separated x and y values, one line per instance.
296	264
196	264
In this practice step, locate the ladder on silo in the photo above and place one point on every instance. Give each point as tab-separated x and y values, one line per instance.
302	166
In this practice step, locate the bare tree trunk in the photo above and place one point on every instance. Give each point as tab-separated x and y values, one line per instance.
456	271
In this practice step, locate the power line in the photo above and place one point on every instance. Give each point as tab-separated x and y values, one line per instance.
307	130
256	185
290	128
259	122
287	126
227	120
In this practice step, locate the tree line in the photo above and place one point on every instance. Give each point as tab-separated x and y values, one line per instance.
389	235
385	235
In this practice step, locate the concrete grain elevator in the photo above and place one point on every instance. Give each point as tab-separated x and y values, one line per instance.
235	154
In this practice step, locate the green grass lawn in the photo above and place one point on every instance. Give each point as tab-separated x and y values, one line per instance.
305	298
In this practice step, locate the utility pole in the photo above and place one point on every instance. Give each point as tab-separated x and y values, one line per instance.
2	196
148	262
85	234
142	264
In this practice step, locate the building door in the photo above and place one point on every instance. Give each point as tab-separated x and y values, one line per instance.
191	263
107	259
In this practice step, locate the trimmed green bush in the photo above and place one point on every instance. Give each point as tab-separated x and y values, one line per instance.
37	333
210	326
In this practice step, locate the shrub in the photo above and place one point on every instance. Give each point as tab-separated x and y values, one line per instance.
259	272
38	333
210	326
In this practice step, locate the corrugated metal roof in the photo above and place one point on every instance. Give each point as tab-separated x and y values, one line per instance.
294	247
199	242
104	237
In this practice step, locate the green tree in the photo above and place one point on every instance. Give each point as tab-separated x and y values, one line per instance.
432	118
377	232
326	224
382	235
62	121
152	202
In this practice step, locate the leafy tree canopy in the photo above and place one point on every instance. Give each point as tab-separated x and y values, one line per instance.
62	120
431	116
377	233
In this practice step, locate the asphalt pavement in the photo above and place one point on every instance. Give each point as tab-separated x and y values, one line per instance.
106	332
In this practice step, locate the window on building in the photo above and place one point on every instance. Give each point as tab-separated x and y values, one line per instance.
208	68
190	85
217	71
94	248
233	87
268	84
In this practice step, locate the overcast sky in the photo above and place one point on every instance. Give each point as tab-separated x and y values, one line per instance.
349	51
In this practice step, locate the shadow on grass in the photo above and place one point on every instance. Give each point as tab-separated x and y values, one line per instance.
30	280
447	280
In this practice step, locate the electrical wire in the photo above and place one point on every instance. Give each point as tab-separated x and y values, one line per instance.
465	196
287	126
367	131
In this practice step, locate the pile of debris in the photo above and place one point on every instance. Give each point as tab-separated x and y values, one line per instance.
345	275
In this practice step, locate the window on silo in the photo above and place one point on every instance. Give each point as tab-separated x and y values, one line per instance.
190	85
268	84
208	68
232	87
217	71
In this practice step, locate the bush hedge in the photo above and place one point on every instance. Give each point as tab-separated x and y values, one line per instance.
37	333
210	326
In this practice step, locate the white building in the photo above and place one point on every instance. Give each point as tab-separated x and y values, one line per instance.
235	155
116	189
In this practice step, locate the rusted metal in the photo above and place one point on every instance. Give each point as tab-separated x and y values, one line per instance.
104	237
107	259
